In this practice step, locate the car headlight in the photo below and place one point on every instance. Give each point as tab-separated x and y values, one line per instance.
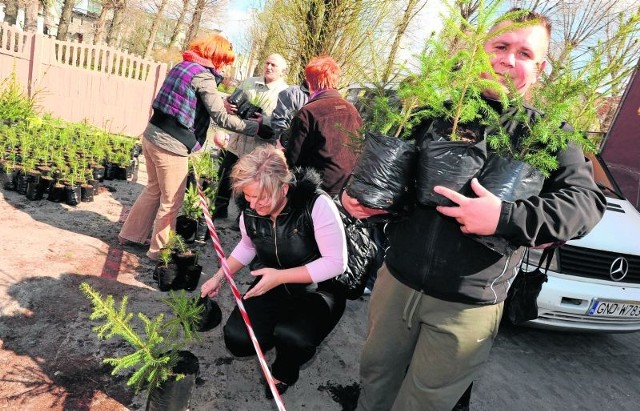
534	260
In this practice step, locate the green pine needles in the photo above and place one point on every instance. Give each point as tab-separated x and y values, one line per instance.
156	350
454	72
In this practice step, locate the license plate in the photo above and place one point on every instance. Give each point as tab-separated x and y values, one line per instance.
603	308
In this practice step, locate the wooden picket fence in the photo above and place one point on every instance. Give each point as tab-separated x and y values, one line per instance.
107	87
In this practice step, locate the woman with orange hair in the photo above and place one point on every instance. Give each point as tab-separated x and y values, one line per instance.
182	111
321	132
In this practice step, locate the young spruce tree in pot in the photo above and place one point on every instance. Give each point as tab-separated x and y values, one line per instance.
162	364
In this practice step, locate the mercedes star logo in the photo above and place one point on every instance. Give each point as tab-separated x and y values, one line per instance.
618	269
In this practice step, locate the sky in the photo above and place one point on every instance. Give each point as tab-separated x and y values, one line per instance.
238	20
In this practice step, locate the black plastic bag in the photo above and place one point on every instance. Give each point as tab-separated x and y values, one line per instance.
384	175
187	228
509	180
174	395
211	316
364	256
450	164
522	301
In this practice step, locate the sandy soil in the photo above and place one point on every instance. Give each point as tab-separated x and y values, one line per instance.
50	358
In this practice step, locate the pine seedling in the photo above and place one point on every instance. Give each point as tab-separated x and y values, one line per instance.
156	351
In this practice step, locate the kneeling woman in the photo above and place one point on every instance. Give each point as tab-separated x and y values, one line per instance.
294	241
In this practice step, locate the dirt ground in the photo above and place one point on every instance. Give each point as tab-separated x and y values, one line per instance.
51	360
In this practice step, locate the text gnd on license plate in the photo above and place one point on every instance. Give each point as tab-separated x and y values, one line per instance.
614	309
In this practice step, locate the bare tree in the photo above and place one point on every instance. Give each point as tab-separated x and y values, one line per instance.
154	27
412	8
65	19
32	7
192	31
173	43
101	22
302	29
119	14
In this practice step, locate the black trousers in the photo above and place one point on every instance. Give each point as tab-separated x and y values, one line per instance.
224	176
293	320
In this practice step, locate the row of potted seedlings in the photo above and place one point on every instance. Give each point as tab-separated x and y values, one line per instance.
62	162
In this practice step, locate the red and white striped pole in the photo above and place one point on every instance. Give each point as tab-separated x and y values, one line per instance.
236	294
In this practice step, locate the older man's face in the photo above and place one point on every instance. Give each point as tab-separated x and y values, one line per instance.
273	68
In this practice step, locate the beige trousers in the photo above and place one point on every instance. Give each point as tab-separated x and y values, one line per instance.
154	212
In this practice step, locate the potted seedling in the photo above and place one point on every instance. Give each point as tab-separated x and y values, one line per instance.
186	260
245	107
163	366
166	271
443	108
187	222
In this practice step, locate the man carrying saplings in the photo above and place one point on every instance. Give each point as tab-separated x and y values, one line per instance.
438	300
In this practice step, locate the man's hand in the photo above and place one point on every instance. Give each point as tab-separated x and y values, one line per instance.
269	280
230	108
475	215
357	210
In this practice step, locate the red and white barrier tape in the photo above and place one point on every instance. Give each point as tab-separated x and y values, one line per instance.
238	297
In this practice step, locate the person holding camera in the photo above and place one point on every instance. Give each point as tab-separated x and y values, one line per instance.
255	93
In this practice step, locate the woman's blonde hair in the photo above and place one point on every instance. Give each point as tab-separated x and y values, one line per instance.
267	166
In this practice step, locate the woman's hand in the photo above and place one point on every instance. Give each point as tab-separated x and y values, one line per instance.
229	108
270	279
211	287
221	139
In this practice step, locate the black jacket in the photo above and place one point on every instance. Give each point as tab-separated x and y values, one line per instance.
290	241
428	252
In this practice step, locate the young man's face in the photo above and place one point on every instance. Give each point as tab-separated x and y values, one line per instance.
518	56
273	68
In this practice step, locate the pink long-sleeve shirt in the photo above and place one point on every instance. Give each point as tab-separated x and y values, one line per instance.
330	237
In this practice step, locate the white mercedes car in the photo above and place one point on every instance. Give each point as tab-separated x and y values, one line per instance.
594	282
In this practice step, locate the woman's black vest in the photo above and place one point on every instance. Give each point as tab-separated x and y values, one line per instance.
289	241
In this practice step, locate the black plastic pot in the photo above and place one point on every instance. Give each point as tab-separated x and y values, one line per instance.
95	185
86	193
56	193
185	260
174	395
20	182
451	164
33	192
98	173
166	276
211	316
509	180
72	195
191	276
186	227
120	172
45	184
110	171
383	177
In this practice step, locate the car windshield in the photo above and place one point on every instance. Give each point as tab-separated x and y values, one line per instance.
603	177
